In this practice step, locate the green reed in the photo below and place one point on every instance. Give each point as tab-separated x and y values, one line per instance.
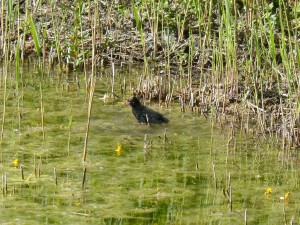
181	19
139	27
70	129
2	23
36	39
91	87
42	108
4	98
57	43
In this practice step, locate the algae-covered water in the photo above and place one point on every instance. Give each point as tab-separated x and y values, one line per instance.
198	174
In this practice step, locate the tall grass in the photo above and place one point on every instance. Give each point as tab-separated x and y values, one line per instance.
5	70
36	39
92	83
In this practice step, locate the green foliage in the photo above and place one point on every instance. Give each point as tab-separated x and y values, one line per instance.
34	34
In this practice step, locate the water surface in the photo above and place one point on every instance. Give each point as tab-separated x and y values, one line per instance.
185	179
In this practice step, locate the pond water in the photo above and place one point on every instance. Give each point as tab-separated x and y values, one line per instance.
186	178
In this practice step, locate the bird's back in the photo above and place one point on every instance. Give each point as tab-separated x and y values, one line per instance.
145	115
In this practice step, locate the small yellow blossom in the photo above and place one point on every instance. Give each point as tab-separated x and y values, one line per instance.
119	150
16	163
287	196
268	191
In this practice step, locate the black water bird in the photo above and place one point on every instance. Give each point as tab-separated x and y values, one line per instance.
143	114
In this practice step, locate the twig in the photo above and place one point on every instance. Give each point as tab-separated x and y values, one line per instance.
215	175
55	177
22	172
83	179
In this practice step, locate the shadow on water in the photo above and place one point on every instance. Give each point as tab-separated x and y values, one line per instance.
184	172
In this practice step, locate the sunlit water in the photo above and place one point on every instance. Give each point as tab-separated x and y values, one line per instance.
185	179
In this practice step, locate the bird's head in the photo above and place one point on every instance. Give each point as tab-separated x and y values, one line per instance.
133	102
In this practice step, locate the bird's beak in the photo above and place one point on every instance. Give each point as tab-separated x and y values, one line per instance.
126	102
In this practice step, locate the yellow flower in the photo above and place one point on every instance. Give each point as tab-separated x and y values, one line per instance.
287	196
16	163
269	191
119	150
